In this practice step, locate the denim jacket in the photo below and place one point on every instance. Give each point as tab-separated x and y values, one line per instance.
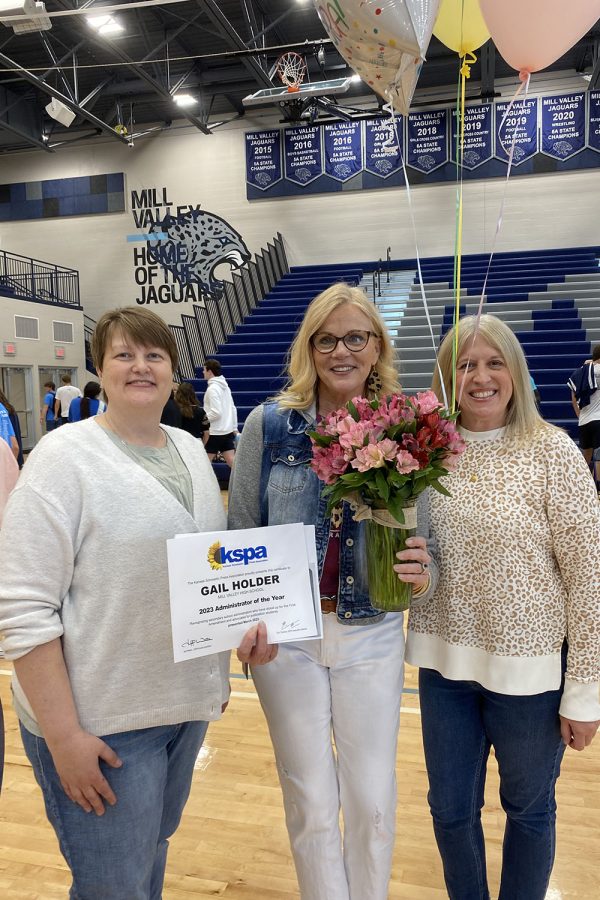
291	492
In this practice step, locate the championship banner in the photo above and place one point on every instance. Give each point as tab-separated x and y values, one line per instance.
343	150
303	154
594	121
427	138
563	125
521	125
263	158
383	146
478	137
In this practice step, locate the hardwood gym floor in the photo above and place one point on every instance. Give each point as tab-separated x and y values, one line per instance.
232	842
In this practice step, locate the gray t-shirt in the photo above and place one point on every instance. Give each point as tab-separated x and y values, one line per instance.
163	463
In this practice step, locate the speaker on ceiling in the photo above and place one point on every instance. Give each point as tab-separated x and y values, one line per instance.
60	112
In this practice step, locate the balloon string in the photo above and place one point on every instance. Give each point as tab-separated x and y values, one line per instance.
465	72
524	78
391	144
389	107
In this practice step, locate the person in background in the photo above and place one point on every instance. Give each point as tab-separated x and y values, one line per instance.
221	412
509	645
64	395
9	473
7	428
193	417
111	725
88	405
349	684
171	414
47	416
536	393
585	398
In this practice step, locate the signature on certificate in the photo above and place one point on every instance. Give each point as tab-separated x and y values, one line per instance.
288	626
192	642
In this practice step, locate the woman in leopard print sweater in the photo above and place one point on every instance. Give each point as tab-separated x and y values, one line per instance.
509	645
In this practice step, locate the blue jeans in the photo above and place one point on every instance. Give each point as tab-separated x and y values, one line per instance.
461	720
122	854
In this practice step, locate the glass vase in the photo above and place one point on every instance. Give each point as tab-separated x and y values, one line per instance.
386	591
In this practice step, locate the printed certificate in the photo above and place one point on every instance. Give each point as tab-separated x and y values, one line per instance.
222	582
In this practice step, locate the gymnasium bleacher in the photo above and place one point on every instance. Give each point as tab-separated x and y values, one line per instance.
550	298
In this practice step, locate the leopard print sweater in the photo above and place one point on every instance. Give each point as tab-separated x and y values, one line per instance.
518	547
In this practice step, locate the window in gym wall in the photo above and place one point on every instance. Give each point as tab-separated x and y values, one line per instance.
62	332
27	327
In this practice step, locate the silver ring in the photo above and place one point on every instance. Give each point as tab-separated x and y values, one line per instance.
424	567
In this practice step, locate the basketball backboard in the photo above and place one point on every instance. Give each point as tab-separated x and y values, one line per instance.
308	89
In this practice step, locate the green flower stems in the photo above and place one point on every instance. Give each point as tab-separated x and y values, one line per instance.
386	591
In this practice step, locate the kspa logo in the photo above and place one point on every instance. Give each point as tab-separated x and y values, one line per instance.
219	556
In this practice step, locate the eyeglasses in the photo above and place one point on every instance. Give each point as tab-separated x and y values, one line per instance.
353	340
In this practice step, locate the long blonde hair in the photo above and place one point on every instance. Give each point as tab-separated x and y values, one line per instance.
300	391
522	416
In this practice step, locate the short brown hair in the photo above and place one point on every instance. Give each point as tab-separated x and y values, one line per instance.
596	352
214	366
141	326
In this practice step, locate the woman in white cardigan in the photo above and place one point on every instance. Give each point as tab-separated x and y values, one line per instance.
111	725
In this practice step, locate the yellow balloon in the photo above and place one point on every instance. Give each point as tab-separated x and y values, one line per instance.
461	26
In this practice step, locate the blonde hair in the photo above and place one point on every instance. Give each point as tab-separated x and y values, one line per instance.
522	416
142	326
300	391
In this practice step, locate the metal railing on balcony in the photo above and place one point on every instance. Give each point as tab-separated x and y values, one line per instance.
199	335
32	279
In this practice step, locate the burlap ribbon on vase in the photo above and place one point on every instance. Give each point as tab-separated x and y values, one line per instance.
364	512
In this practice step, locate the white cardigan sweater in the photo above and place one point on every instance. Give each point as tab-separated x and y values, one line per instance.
83	557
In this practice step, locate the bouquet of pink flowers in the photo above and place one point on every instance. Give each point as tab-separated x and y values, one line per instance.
385	452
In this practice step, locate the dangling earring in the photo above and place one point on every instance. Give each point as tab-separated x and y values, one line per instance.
374	382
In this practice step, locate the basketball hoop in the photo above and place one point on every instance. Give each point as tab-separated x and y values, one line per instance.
291	69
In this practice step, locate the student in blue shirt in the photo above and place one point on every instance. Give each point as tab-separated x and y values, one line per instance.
87	406
7	432
47	413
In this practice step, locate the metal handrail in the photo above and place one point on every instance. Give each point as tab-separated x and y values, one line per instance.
234	303
34	280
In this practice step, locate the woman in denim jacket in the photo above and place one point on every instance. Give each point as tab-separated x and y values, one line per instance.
349	684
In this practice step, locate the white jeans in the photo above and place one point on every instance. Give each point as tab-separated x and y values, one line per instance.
349	683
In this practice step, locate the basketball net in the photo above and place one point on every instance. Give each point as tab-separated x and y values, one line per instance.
291	69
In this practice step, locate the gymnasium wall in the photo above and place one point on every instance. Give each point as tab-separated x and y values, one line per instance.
188	169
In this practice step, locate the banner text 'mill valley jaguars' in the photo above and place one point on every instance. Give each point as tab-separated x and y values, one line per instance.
178	265
156	283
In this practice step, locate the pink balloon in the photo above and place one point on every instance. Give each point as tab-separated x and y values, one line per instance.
532	34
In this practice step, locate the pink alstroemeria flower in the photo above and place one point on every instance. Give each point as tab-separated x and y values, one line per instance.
405	462
328	463
357	434
374	456
427	402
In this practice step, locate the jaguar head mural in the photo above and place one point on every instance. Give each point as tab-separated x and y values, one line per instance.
196	243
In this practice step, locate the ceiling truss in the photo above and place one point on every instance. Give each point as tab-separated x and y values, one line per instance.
123	85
